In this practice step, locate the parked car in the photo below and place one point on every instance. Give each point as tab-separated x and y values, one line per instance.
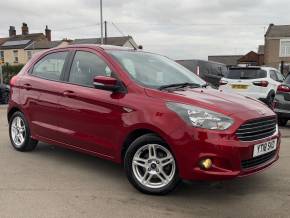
142	110
282	102
210	71
4	93
255	82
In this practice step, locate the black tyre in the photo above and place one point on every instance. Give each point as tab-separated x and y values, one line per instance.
150	166
282	122
270	100
19	133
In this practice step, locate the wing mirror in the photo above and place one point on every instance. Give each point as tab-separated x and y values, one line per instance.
107	83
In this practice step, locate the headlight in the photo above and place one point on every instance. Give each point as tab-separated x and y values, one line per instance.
199	117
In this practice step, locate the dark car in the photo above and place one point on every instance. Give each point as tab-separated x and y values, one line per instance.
141	110
210	71
4	93
282	105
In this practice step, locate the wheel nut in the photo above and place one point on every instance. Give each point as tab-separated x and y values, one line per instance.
157	162
149	169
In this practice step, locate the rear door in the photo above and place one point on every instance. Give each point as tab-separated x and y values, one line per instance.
90	118
41	93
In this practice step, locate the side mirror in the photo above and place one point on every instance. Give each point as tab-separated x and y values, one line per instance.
107	83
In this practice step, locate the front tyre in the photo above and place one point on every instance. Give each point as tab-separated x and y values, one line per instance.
19	133
150	166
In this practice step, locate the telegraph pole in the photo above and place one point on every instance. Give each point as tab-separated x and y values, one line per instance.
101	14
106	32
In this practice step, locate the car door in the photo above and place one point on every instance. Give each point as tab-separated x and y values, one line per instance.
40	91
91	118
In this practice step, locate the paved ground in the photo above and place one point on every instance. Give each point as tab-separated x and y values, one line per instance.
53	182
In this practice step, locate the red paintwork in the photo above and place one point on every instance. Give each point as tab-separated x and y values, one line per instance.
105	80
95	121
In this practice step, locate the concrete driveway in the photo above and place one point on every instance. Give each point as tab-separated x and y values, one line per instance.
54	182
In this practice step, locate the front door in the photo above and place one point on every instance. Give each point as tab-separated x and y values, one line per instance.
90	118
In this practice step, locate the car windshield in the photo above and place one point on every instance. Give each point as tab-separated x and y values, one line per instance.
154	71
246	74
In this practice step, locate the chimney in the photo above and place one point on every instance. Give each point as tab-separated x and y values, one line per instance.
24	28
12	31
48	33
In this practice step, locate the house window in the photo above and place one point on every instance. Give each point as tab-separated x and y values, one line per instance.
285	48
2	57
29	55
15	55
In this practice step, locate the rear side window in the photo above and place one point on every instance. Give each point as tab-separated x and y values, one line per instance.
246	74
51	66
85	67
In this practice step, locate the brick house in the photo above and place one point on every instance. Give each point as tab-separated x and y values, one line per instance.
277	47
12	48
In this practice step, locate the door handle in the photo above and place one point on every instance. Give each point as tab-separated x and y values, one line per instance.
69	94
27	86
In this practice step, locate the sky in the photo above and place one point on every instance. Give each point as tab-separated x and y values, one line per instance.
179	29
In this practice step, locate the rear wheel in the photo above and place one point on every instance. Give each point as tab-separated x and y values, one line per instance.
282	122
150	166
270	100
19	133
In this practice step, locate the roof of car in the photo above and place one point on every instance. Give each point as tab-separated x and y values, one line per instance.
99	46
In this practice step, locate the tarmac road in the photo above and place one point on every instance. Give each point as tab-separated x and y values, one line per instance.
54	182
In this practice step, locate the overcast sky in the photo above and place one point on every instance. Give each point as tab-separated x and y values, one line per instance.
180	29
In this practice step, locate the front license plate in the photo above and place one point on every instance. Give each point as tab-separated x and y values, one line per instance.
236	86
265	148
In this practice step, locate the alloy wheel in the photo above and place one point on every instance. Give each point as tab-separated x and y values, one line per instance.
18	131
153	166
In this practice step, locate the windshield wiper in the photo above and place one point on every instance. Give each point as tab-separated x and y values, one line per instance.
180	85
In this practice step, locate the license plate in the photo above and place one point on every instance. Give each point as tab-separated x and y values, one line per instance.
239	86
265	148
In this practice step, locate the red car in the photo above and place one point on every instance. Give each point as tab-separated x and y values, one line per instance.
142	110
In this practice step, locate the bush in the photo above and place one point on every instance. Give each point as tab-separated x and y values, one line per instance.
9	71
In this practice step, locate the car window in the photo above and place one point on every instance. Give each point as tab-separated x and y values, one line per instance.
280	76
85	67
273	75
51	66
246	73
152	70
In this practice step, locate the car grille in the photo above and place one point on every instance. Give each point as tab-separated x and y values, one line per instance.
257	129
258	160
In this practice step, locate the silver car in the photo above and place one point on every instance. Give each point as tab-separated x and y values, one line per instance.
282	99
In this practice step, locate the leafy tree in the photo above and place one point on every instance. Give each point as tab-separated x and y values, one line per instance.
9	71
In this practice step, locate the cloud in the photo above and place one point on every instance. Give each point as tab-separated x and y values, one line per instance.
176	28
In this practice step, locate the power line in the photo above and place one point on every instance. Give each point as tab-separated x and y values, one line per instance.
118	29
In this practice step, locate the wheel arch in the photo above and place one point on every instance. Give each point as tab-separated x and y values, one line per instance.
133	135
11	112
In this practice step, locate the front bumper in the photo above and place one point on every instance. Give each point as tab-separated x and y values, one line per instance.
227	156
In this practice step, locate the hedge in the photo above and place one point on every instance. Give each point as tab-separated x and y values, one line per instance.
9	71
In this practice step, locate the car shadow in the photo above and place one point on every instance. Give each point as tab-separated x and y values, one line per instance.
109	171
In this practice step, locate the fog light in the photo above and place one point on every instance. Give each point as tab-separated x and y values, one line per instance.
205	163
